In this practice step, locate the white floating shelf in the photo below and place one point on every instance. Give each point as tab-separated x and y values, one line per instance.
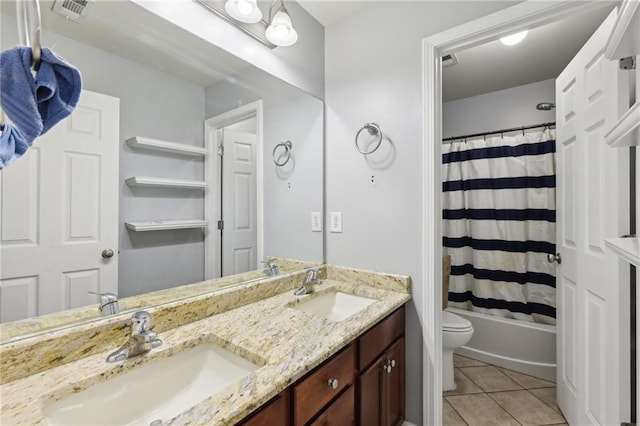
165	183
627	248
164	225
626	132
164	146
625	37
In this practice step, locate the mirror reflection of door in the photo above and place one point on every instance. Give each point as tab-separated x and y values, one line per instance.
238	207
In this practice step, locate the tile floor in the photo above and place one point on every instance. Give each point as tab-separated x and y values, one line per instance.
493	396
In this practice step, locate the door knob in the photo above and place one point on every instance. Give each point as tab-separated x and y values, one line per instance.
107	253
554	258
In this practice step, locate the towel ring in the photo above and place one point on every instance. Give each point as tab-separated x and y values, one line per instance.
29	27
373	129
288	146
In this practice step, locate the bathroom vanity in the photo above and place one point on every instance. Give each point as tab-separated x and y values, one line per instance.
363	384
305	368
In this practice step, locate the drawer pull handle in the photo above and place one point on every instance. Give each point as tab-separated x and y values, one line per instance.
393	363
333	384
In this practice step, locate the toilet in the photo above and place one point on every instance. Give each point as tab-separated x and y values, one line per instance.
456	331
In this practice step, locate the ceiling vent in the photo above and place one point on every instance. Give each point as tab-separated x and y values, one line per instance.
449	60
73	10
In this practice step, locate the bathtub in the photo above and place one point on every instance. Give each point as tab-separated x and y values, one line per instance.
526	347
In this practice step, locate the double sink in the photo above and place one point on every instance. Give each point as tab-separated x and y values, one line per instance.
160	390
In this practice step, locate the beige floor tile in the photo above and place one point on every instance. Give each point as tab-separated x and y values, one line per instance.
526	381
480	410
463	361
449	416
526	408
548	396
490	379
463	383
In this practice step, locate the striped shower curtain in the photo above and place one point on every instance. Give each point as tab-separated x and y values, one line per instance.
499	225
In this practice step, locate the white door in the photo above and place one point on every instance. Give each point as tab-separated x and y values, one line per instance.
59	211
589	197
239	236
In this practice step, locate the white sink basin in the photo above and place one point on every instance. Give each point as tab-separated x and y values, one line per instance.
335	306
157	391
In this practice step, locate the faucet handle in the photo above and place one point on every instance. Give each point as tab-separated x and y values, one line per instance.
140	322
108	303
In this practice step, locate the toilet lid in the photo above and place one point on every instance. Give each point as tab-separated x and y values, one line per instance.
453	322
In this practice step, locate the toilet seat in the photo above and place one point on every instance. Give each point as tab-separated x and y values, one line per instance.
454	323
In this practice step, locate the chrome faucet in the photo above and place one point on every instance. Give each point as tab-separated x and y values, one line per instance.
108	304
271	268
309	283
141	341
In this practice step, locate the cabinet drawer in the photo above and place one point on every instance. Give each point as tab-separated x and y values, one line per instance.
376	340
314	391
341	412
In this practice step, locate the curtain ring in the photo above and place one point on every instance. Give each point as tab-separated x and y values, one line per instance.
373	129
288	146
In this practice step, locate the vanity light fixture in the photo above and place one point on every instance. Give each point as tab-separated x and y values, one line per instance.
244	10
246	16
513	39
280	30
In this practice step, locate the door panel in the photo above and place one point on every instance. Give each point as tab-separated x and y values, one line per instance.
239	205
59	207
590	193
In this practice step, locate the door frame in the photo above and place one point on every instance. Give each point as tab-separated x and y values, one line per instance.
212	209
527	15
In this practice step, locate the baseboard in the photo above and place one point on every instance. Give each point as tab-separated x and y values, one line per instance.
408	424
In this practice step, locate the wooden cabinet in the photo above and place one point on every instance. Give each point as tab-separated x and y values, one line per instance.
316	390
274	413
363	384
381	383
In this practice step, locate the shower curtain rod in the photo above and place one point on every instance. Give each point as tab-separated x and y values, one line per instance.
513	129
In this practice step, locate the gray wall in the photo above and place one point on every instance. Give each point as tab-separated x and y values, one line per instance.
374	73
293	191
502	109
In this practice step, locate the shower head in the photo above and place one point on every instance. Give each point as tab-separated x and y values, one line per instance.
545	106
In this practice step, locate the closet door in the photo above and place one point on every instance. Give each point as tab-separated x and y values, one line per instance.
590	194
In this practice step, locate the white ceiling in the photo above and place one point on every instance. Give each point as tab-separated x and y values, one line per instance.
328	12
542	55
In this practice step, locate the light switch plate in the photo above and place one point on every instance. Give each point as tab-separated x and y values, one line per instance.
336	222
316	221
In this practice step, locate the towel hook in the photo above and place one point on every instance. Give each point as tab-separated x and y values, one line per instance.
288	146
29	28
373	129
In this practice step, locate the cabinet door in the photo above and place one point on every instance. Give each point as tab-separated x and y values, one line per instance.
341	412
370	386
394	380
274	413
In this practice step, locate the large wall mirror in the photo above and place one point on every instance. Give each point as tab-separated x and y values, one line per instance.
102	203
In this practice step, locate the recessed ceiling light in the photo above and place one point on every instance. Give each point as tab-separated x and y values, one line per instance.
514	39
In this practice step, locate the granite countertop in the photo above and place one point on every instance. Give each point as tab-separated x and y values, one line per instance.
285	343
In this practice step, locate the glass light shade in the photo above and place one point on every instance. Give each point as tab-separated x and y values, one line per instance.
280	31
514	39
244	10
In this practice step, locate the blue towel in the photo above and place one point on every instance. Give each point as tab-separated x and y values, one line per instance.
35	105
18	92
12	145
58	87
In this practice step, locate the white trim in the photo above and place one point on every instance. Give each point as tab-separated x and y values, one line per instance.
623	40
522	16
626	131
211	170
